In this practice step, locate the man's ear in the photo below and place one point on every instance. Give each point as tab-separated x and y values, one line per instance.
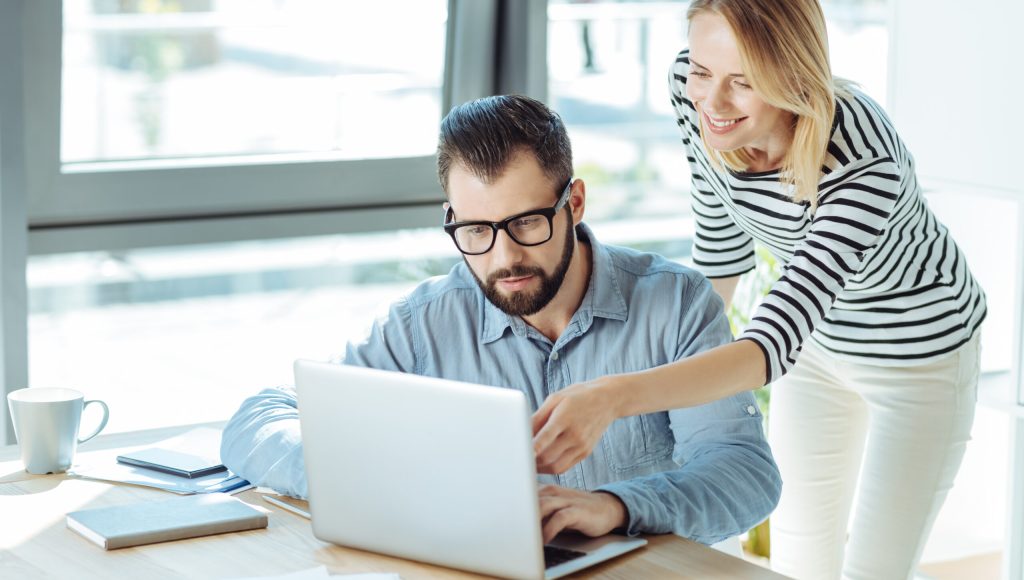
577	200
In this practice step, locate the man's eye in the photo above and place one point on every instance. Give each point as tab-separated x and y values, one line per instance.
477	231
527	222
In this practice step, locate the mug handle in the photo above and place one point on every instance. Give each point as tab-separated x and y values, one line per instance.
103	423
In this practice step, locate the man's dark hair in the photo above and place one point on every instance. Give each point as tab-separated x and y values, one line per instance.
485	134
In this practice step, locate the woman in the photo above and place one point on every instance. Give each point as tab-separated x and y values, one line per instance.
871	334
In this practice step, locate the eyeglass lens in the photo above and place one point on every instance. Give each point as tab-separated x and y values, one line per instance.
528	230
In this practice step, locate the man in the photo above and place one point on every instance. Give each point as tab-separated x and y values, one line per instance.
537	305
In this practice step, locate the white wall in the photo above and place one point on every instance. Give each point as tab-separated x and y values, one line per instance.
955	96
955	88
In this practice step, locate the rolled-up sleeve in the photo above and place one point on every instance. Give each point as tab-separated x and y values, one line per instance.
262	442
727	483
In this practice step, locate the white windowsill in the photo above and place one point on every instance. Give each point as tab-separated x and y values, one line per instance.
996	392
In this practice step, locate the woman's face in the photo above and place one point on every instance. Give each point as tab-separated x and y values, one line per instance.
732	113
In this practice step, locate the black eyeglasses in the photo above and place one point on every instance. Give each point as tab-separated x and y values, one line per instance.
530	228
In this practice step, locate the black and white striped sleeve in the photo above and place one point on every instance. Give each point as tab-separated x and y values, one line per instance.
854	208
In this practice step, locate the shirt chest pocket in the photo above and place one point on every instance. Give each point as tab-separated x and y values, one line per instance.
632	442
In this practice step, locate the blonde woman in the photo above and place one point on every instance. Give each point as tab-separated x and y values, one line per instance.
870	337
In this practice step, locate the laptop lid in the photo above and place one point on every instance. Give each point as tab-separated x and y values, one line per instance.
421	468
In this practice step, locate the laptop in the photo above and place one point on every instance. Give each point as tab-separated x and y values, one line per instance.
432	470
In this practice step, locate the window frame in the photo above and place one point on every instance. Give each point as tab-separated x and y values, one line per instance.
145	203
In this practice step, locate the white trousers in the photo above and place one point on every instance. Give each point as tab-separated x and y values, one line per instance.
899	433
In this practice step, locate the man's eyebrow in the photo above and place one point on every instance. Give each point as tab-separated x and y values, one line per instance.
706	68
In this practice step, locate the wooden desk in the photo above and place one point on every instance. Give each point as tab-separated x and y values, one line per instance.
35	542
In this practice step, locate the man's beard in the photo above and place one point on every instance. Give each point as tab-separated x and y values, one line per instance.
522	303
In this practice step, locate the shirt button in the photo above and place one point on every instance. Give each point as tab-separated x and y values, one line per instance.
554	355
751	410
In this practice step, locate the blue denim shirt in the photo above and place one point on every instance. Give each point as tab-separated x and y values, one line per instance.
705	473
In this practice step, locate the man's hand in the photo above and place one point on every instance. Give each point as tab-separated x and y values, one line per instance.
590	513
570	423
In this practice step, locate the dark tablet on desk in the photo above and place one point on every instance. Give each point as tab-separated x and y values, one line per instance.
173	462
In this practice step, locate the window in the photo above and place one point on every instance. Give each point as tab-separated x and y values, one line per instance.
157	111
607	68
182	334
178	335
200	78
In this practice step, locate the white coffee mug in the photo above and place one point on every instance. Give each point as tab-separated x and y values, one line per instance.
46	424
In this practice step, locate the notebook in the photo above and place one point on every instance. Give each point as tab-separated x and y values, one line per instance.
162	521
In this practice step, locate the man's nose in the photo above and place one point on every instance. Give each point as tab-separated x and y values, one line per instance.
506	251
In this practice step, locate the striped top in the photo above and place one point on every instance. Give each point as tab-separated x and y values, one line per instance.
871	276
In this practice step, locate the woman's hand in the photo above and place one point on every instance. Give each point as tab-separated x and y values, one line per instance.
570	423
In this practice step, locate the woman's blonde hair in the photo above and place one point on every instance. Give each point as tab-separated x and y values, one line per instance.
783	48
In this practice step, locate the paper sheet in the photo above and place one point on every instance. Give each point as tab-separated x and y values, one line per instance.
121	473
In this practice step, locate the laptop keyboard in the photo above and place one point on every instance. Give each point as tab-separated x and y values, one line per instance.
554	556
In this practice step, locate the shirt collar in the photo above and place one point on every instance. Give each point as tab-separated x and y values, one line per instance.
603	297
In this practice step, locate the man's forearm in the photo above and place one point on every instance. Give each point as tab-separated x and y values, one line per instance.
262	443
716	496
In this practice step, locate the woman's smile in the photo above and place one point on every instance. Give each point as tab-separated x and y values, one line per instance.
722	126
